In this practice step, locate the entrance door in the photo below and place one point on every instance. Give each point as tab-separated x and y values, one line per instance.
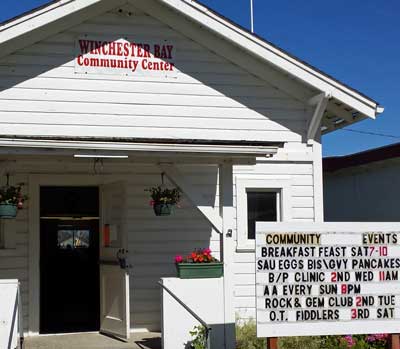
69	256
114	277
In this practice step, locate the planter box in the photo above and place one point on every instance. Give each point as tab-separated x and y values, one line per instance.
163	209
200	270
8	211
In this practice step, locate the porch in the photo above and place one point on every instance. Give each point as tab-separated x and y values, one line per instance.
94	340
205	218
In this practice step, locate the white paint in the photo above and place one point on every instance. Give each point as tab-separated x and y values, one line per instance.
199	14
344	319
114	281
227	211
243	183
211	99
205	298
9	317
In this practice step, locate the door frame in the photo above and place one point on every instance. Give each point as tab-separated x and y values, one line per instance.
34	183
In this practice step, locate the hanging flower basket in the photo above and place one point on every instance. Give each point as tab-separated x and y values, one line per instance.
199	265
8	211
164	199
161	209
11	199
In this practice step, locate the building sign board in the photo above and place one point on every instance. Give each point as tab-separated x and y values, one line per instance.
125	56
327	278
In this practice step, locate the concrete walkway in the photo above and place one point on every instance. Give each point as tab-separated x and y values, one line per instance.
93	341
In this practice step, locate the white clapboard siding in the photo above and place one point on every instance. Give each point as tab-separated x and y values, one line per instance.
301	179
154	242
211	98
42	95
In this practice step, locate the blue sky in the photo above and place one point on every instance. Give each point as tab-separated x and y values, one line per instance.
356	41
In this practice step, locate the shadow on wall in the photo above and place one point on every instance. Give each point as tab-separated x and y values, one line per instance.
216	337
155	241
250	93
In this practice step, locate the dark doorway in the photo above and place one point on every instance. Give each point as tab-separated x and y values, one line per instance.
69	259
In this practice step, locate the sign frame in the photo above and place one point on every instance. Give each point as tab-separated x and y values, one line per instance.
315	328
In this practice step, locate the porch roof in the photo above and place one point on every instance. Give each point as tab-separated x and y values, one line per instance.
122	146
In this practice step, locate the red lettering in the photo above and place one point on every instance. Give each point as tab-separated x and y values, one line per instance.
333	277
126	49
104	48
358	301
84	44
111	47
80	60
146	51
119	49
344	289
170	48
157	53
353	313
133	46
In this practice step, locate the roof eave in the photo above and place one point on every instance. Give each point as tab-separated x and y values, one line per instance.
277	57
63	14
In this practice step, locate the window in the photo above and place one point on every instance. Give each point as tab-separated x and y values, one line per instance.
259	200
69	239
262	206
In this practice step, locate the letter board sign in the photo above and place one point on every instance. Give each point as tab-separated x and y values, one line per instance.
327	278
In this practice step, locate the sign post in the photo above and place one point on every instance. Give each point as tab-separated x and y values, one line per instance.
327	279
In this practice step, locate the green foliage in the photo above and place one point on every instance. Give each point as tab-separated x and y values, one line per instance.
335	342
303	343
199	336
161	195
10	195
246	336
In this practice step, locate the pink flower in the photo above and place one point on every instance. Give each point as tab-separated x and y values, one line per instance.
350	341
178	259
207	251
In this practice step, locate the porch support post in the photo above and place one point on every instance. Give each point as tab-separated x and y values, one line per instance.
394	341
227	212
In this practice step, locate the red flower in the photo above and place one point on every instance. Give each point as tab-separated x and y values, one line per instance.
207	251
178	259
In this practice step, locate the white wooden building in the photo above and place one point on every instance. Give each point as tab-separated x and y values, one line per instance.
363	187
159	86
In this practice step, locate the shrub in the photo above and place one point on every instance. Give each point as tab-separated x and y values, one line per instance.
246	336
302	343
199	338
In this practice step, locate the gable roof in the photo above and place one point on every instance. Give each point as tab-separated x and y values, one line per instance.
344	105
336	163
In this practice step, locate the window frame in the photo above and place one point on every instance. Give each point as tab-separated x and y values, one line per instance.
2	237
245	184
